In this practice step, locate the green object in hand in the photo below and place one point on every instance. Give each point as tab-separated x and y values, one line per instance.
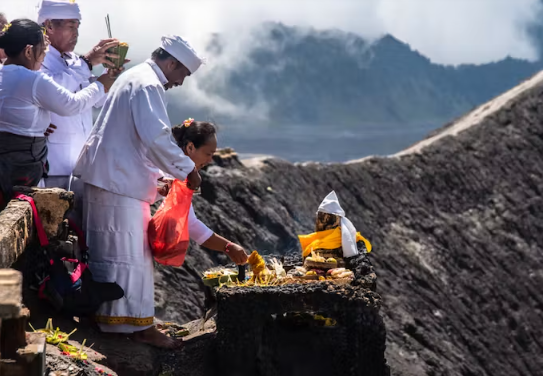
122	51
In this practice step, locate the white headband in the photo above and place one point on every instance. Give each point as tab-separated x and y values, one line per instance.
58	10
182	51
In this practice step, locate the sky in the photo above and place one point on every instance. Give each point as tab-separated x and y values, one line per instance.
446	31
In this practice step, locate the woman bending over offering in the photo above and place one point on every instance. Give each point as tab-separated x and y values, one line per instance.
198	140
134	313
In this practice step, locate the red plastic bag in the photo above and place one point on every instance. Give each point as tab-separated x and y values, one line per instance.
168	230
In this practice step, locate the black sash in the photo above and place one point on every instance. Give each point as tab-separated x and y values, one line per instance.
26	157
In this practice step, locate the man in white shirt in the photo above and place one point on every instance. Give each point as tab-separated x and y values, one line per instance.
129	148
67	134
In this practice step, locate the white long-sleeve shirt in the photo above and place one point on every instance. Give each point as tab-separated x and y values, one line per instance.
28	97
198	231
132	138
66	142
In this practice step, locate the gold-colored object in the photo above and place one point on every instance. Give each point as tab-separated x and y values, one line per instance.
257	264
327	320
6	28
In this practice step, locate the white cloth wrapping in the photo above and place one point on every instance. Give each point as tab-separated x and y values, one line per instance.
65	144
132	140
27	99
119	252
330	205
58	10
182	51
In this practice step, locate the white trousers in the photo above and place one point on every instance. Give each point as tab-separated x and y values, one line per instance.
119	252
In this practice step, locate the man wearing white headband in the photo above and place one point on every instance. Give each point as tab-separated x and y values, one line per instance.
129	146
67	134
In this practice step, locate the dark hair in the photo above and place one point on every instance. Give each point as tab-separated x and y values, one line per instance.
21	33
161	54
198	132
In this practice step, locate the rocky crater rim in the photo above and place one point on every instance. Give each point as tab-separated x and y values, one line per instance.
478	115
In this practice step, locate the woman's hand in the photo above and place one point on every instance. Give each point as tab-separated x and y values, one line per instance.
236	253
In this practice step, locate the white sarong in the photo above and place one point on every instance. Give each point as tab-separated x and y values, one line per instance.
119	252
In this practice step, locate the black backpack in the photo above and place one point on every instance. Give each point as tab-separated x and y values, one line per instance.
61	273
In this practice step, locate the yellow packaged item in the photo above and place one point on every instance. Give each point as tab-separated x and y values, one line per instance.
328	239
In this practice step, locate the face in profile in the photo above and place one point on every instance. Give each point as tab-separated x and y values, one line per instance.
176	74
203	155
33	56
63	35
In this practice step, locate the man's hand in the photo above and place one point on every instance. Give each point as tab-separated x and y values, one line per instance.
98	55
237	254
164	188
50	130
194	180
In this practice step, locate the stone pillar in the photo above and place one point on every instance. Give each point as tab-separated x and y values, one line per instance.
12	335
20	354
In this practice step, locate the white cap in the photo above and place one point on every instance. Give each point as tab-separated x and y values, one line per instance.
58	10
330	205
182	51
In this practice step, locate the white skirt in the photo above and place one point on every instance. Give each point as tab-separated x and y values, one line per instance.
119	252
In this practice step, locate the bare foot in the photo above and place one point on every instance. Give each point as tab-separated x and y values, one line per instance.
153	337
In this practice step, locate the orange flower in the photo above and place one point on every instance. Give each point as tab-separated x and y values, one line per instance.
188	122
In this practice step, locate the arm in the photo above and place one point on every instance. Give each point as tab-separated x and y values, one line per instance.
204	236
101	102
65	77
200	233
74	76
235	252
53	97
154	129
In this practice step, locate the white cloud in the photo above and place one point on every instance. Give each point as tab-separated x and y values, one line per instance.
447	31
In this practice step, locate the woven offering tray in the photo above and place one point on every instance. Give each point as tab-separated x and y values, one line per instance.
320	265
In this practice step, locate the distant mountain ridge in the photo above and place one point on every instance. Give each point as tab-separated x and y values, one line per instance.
324	77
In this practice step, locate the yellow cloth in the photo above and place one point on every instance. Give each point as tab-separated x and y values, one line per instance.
328	239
